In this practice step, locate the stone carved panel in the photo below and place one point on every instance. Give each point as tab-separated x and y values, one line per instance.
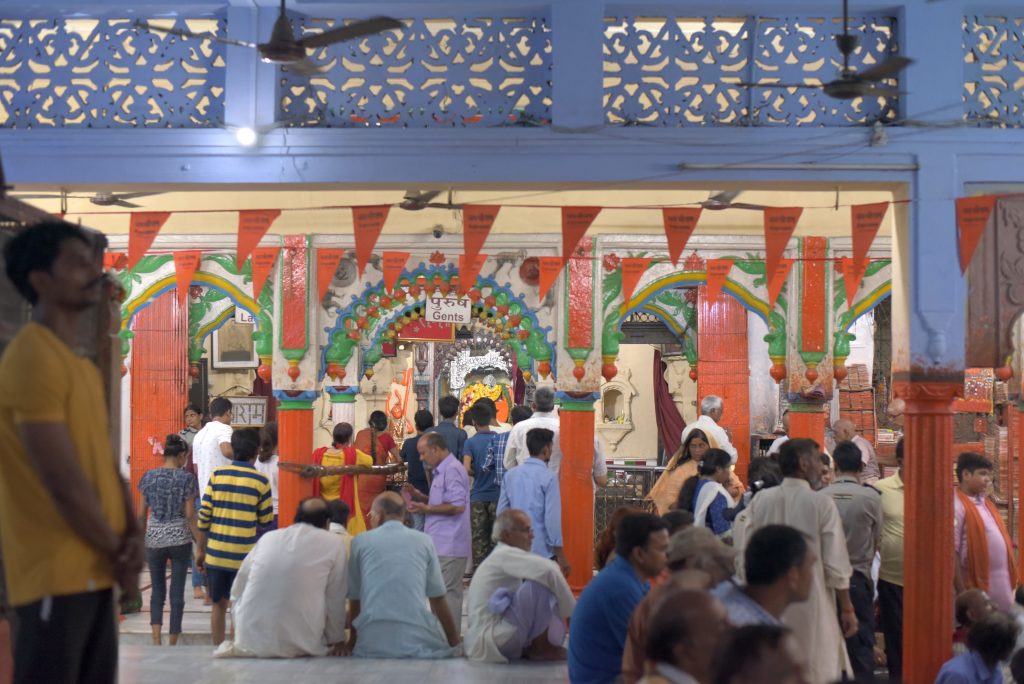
994	69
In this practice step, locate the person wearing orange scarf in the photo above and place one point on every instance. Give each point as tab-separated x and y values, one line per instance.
985	554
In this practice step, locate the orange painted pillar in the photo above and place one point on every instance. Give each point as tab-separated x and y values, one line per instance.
576	480
295	445
807	420
928	544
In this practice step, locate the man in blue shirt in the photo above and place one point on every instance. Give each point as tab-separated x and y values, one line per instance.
417	475
533	487
597	634
991	641
483	497
453	435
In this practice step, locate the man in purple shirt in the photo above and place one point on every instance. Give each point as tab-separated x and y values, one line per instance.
447	514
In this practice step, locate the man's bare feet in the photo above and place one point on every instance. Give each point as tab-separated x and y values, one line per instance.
197	592
541	649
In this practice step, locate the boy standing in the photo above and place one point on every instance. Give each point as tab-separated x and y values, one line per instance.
483	497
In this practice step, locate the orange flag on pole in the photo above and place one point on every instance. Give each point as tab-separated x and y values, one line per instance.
263	260
142	230
575	222
680	222
186	263
717	272
477	220
469	269
777	279
252	226
549	267
853	273
632	270
779	224
392	265
367	222
327	261
865	220
972	215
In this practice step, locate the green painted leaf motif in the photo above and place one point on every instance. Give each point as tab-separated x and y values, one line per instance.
227	262
876	266
149	264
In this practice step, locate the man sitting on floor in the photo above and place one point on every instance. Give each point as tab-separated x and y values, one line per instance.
305	615
518	601
393	569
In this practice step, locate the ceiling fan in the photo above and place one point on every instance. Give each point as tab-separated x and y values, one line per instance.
724	200
283	47
100	199
417	201
850	85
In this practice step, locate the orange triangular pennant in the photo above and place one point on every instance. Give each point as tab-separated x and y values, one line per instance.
392	265
865	221
853	273
717	272
367	222
477	220
779	224
263	260
575	222
680	222
327	261
777	279
253	224
185	265
632	270
549	267
142	231
469	269
972	214
114	261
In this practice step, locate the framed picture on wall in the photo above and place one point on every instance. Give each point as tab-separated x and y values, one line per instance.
248	411
233	346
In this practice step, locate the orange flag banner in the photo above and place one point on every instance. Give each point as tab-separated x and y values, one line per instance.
853	273
717	272
680	222
114	261
865	220
469	269
392	264
477	220
327	261
263	260
972	214
632	270
252	226
367	222
142	231
575	222
777	279
186	263
549	267
779	224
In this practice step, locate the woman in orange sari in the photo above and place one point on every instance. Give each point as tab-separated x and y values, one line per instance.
344	487
382	449
681	467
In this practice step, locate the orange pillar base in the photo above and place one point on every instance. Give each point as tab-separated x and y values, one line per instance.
807	421
576	480
928	545
295	445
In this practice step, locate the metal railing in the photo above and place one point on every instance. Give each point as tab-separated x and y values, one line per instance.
627	486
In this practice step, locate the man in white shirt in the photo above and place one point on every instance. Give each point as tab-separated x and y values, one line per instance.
211	448
303	616
545	416
518	601
711	410
846	431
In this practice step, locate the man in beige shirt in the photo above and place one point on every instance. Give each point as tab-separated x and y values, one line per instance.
846	431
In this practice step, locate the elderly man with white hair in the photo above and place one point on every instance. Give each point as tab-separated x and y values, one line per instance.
518	601
711	411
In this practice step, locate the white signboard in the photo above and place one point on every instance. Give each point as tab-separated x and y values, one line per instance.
248	411
243	316
448	310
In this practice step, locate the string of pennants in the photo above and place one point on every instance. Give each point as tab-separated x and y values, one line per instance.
972	215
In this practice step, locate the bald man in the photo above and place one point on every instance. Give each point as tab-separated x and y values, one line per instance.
303	616
683	635
393	574
845	431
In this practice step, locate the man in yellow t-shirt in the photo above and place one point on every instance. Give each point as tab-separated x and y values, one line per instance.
890	572
65	519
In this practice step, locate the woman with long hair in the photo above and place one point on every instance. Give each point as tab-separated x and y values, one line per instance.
681	467
266	463
604	551
169	520
704	494
348	488
378	443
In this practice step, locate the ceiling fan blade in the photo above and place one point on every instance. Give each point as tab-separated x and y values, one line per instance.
42	196
134	195
777	85
303	67
887	69
190	34
349	31
128	205
744	205
421	197
884	91
445	205
724	197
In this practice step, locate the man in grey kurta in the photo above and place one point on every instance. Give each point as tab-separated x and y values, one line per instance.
394	574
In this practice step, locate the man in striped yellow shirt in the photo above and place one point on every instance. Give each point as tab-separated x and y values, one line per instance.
236	500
